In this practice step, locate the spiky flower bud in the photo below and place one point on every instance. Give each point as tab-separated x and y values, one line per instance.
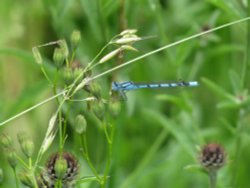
12	158
60	167
59	57
54	170
75	38
26	179
80	124
1	175
6	141
212	156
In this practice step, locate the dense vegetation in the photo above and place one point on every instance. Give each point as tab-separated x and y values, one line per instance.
155	137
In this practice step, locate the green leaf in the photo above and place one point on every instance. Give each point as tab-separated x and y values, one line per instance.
218	90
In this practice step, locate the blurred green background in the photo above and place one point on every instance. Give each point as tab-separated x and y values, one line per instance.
157	131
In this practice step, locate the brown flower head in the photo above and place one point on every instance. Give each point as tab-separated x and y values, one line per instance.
212	156
49	175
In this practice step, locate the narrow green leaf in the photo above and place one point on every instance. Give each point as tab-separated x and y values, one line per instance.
218	90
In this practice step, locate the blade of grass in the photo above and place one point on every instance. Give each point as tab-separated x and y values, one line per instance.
149	155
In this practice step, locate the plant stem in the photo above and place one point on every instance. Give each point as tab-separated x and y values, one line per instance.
246	63
110	148
212	178
86	156
16	179
238	143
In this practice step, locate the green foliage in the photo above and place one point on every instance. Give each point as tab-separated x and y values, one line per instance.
149	140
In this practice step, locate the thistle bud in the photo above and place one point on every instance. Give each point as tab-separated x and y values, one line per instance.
12	158
51	173
26	179
61	167
6	141
80	124
212	156
75	38
58	57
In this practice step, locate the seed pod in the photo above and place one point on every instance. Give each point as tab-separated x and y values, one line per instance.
63	45
98	109
114	108
75	38
68	75
26	179
58	57
95	89
27	146
22	137
80	124
212	156
6	141
12	159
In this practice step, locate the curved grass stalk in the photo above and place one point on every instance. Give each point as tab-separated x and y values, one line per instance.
123	65
32	108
